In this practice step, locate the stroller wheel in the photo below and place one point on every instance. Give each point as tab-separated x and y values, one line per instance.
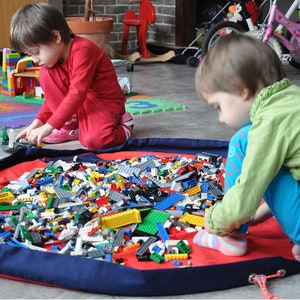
192	61
180	59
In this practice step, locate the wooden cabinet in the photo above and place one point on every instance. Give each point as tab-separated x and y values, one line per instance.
185	21
8	8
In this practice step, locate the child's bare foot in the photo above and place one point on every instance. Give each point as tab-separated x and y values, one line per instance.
296	252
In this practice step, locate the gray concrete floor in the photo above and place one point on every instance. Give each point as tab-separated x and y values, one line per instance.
174	83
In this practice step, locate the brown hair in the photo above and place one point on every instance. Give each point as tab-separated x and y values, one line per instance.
33	24
238	62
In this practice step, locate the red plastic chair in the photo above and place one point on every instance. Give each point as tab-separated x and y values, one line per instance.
146	17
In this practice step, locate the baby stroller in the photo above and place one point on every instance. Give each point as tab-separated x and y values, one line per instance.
222	14
215	12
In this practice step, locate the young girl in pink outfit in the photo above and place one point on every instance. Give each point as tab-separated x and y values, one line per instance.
83	99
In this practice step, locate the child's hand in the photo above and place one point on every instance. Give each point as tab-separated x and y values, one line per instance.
26	131
23	134
37	134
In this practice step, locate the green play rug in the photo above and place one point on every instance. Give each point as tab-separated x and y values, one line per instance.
151	105
19	112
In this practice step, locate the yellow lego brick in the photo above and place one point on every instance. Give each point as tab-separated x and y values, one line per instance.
192	219
119	181
6	197
9	83
96	174
121	219
193	191
55	220
92	179
132	160
43	196
176	256
26	198
76	181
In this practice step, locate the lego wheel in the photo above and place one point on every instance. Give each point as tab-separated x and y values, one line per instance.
192	61
129	68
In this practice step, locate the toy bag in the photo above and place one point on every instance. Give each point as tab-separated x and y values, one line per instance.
202	270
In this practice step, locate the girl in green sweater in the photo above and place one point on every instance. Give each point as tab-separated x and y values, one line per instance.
244	80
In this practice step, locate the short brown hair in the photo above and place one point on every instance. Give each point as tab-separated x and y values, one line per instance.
33	24
236	62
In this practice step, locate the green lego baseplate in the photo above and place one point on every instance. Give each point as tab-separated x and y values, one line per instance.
149	223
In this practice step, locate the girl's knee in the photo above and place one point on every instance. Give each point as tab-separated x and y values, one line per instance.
97	143
105	139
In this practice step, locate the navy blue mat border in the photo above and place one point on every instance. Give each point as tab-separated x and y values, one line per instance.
84	274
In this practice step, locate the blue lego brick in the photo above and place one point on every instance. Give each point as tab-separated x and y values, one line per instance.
162	231
204	187
169	201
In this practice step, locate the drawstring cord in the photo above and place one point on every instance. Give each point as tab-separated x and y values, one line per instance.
261	280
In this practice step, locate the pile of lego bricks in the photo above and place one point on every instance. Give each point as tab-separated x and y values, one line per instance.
101	208
123	212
